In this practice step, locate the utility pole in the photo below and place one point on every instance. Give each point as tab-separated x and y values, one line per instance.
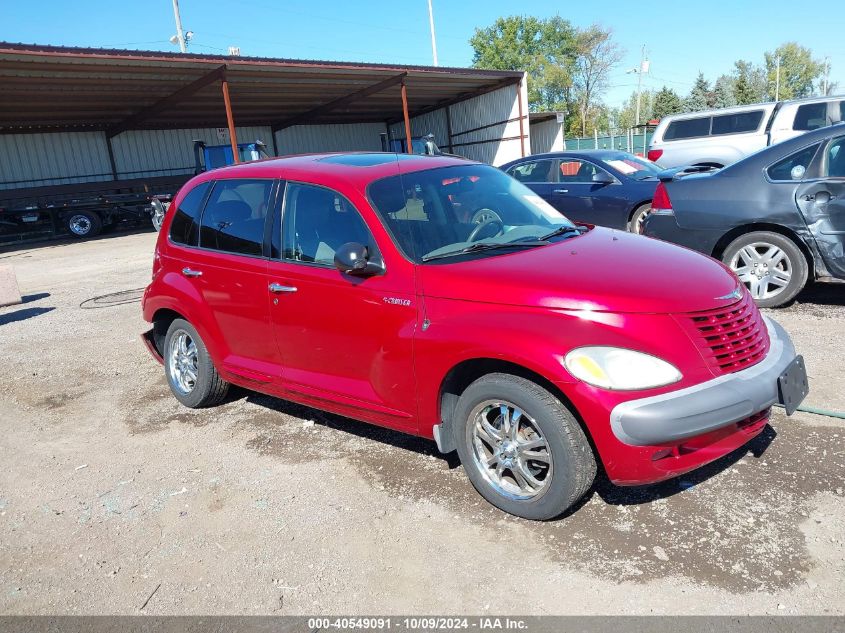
777	79
180	36
644	65
431	25
826	80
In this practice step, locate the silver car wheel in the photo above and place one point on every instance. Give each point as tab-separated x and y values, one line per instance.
80	225
639	220
764	268
182	361
484	215
509	450
159	209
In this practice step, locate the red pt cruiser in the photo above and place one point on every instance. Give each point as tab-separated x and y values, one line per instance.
442	298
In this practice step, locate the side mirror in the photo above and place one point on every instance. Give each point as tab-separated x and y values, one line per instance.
353	258
602	178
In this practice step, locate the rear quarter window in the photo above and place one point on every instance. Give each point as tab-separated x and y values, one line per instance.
184	228
794	166
687	128
810	116
736	123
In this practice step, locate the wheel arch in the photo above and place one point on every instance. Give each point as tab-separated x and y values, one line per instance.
161	320
465	372
730	236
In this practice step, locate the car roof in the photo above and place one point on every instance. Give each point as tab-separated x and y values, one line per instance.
595	154
359	168
747	107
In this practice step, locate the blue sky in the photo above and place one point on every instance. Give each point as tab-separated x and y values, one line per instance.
681	39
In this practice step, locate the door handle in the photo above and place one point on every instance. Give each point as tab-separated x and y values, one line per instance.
191	273
277	288
560	191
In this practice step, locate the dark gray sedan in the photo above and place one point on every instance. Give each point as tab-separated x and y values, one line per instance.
777	217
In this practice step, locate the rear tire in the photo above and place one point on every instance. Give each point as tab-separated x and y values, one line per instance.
635	224
83	224
521	448
770	265
190	373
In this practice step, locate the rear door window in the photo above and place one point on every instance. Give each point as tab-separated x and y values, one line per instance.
184	226
687	128
835	160
810	116
794	166
534	171
234	218
736	123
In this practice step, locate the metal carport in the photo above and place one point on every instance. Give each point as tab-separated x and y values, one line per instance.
76	115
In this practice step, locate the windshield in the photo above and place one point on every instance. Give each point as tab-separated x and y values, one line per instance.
448	211
633	166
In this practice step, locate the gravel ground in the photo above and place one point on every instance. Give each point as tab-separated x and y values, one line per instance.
111	492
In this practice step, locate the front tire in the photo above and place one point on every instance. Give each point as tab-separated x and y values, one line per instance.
190	373
521	448
770	265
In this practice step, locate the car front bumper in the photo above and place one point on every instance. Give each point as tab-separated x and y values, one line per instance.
705	408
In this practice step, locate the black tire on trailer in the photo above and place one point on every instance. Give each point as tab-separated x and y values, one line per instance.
189	370
83	224
521	447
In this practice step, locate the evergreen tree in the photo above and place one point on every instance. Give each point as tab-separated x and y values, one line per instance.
699	97
666	102
723	92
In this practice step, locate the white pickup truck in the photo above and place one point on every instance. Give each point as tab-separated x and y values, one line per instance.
717	138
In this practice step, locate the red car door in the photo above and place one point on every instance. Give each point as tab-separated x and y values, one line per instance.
346	343
230	270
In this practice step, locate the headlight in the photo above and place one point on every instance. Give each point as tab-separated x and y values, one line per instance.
619	369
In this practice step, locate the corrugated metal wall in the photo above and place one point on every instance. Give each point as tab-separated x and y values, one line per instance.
304	139
499	105
546	136
142	153
32	160
430	123
504	144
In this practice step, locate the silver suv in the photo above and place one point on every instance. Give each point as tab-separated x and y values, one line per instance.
720	137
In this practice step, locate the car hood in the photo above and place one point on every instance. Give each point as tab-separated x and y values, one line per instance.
601	270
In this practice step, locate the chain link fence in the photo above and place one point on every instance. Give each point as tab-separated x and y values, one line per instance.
633	141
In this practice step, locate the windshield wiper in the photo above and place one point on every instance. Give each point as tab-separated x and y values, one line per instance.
563	230
481	246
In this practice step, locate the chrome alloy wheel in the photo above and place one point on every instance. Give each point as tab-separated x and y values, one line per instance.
764	268
182	362
80	225
509	450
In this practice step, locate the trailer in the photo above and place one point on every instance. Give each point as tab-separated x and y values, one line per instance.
88	209
82	210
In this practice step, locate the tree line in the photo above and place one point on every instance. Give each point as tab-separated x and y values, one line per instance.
569	68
